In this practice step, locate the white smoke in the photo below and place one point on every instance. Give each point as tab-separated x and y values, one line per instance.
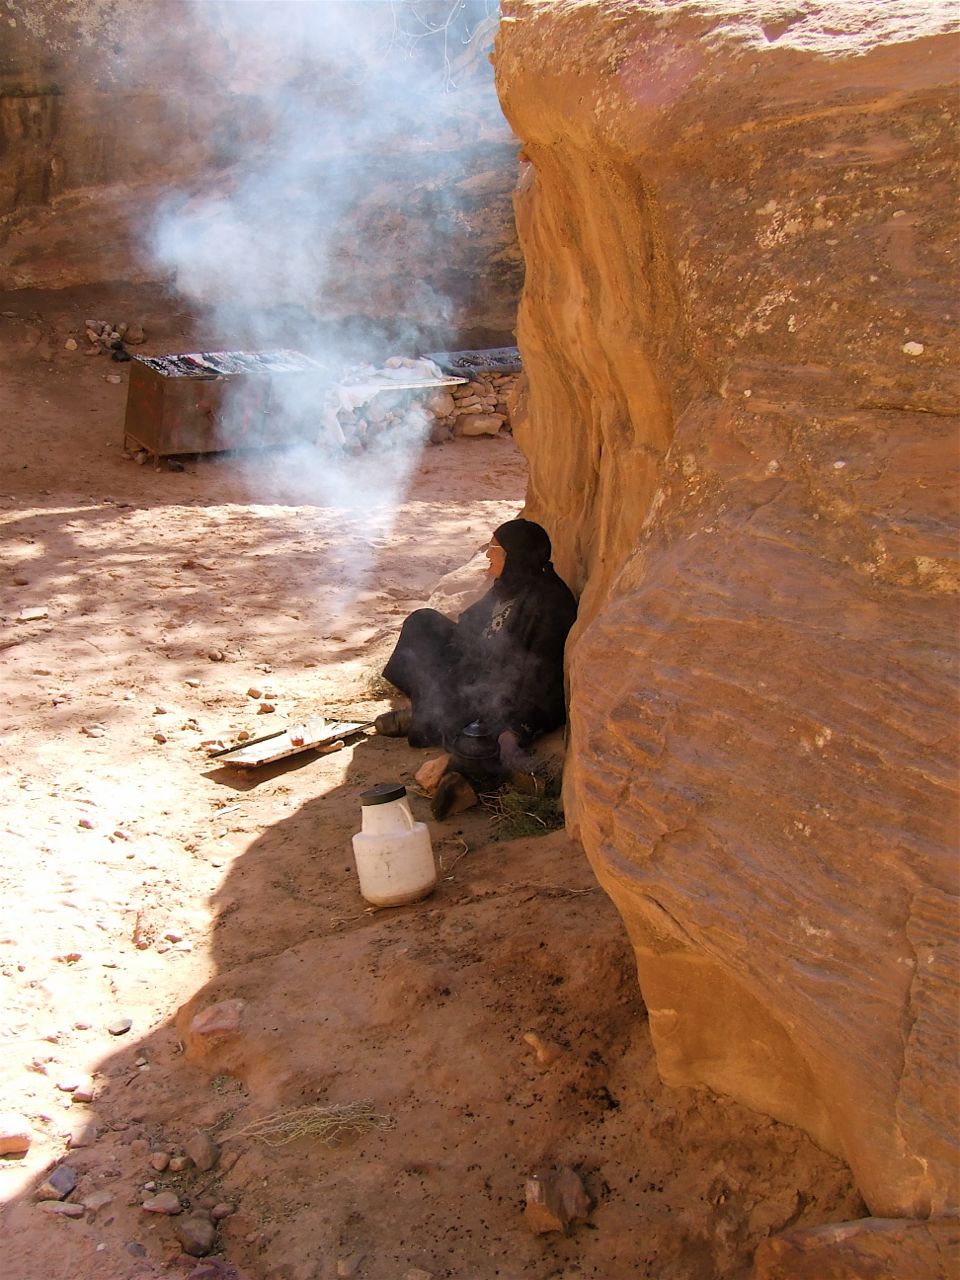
293	244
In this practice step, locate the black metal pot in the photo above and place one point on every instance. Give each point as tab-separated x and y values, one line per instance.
475	752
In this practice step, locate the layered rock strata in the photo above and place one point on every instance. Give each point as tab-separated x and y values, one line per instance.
739	411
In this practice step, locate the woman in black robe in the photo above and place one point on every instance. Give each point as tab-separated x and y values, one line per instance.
501	663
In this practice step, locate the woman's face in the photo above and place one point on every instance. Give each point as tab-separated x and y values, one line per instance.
497	558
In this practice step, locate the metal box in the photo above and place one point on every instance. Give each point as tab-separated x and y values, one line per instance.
209	402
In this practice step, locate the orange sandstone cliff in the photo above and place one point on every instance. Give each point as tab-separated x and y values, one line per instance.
739	232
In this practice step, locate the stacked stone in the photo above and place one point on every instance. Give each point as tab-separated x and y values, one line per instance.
475	408
399	417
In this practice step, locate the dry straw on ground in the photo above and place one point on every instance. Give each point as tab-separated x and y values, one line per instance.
331	1124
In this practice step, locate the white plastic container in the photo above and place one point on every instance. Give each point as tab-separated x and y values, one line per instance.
393	853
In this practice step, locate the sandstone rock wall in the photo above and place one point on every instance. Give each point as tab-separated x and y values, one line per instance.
393	199
737	330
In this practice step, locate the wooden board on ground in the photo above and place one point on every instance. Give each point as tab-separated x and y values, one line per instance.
316	735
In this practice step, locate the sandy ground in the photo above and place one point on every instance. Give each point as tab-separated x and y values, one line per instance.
139	879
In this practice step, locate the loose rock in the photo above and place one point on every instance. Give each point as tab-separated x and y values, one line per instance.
203	1151
165	1202
96	1201
15	1134
546	1051
83	1134
58	1183
555	1198
62	1208
120	1027
159	1161
220	1019
196	1235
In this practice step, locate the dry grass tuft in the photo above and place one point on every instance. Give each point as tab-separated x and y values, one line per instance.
330	1124
518	814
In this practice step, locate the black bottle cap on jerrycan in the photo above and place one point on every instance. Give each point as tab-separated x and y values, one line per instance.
383	793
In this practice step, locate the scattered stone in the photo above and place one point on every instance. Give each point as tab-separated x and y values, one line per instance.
555	1198
160	737
70	344
62	1208
429	774
222	1019
220	1211
165	1202
192	682
93	351
159	1161
85	1090
196	1235
912	348
96	1201
180	1163
20	581
120	1027
58	1184
15	1134
216	1269
93	730
134	335
216	655
83	1135
32	615
112	377
265	709
139	1147
546	1051
254	692
203	1151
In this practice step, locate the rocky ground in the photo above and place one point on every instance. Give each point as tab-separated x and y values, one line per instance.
495	1030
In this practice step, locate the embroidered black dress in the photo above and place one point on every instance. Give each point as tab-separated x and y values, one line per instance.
502	662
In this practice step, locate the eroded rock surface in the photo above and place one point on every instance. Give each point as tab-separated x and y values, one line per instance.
740	422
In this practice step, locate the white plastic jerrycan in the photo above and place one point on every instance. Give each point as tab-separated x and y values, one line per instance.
393	853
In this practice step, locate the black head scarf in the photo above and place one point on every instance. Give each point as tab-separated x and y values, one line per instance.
528	551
